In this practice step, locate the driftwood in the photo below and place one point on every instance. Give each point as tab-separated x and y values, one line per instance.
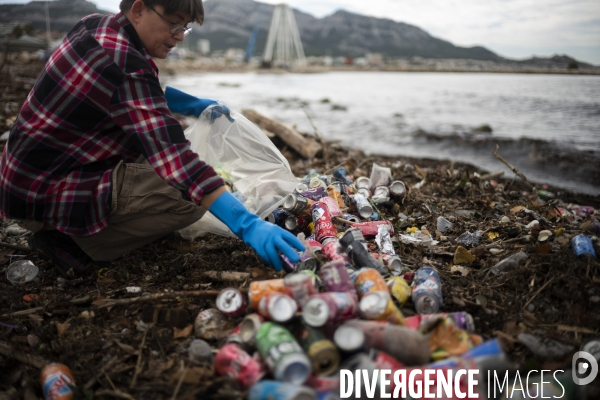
307	147
159	296
513	169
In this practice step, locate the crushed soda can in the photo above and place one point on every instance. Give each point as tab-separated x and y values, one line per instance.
351	218
234	362
371	228
335	191
335	277
322	352
300	287
362	182
369	280
399	289
260	288
231	302
324	227
332	205
282	353
363	207
460	319
378	306
278	307
295	204
332	251
323	308
427	291
398	191
582	246
469	239
212	324
56	380
248	328
392	263
314	194
381	195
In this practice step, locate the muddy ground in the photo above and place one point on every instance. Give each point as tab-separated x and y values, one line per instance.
554	295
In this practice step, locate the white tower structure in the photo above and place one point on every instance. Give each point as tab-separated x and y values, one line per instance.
284	47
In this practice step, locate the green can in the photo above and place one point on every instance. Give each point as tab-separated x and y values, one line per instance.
282	353
322	352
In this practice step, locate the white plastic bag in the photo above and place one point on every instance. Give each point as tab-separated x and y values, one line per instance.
250	161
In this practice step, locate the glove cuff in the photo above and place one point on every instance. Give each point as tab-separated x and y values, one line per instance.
232	213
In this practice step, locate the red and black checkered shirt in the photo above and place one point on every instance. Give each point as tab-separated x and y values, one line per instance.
97	102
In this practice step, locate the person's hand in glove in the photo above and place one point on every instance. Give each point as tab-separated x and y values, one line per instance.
265	238
186	104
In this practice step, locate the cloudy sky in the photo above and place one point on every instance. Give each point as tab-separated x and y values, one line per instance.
511	28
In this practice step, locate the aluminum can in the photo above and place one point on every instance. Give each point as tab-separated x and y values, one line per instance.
277	307
392	262
427	291
316	182
293	223
282	354
381	194
335	191
399	289
383	360
248	328
363	207
323	308
353	235
351	218
378	306
234	362
234	336
274	390
301	187
300	287
260	288
371	228
324	227
55	380
200	352
362	182
278	216
333	251
461	319
582	246
335	277
361	258
231	302
288	265
332	205
349	339
322	352
369	280
295	204
325	384
212	324
314	193
366	193
342	176
398	191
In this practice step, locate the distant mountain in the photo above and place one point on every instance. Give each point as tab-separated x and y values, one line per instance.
229	24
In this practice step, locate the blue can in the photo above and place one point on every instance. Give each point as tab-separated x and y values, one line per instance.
342	175
278	217
582	246
427	291
275	390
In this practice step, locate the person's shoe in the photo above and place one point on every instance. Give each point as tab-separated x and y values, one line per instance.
63	251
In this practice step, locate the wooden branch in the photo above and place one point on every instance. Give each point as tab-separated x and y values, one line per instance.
513	169
307	147
29	359
159	296
113	394
102	371
14	247
538	292
493	175
226	276
23	312
138	366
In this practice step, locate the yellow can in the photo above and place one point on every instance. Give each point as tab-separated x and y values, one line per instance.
400	289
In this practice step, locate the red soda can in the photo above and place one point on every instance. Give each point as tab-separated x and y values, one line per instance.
332	250
371	228
323	308
235	336
231	302
234	362
332	205
321	217
324	383
384	361
335	277
300	287
278	307
55	379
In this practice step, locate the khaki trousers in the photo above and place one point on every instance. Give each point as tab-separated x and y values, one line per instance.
144	208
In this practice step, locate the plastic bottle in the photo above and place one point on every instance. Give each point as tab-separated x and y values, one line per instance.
21	272
427	291
582	246
510	262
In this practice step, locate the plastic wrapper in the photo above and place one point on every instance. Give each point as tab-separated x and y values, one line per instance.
258	171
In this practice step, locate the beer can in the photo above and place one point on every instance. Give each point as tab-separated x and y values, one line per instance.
300	287
277	307
349	339
362	182
323	308
314	193
369	280
324	227
234	362
371	228
212	324
322	352
399	289
295	204
56	381
274	390
231	302
363	207
282	354
332	205
398	191
335	277
248	328
378	306
582	246
259	288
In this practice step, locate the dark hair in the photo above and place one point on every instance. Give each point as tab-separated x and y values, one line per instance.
193	8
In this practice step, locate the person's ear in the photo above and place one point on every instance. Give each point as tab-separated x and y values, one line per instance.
136	10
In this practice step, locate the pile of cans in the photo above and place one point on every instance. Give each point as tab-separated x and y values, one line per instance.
339	307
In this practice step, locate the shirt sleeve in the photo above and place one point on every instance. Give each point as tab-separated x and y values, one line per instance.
139	108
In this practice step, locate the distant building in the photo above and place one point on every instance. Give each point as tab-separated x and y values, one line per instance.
374	58
236	55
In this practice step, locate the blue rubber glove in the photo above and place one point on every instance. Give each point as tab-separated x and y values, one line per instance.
186	104
264	237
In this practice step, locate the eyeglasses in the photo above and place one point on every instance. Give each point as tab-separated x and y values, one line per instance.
175	28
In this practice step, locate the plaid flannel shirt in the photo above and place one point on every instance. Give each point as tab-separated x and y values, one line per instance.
97	102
